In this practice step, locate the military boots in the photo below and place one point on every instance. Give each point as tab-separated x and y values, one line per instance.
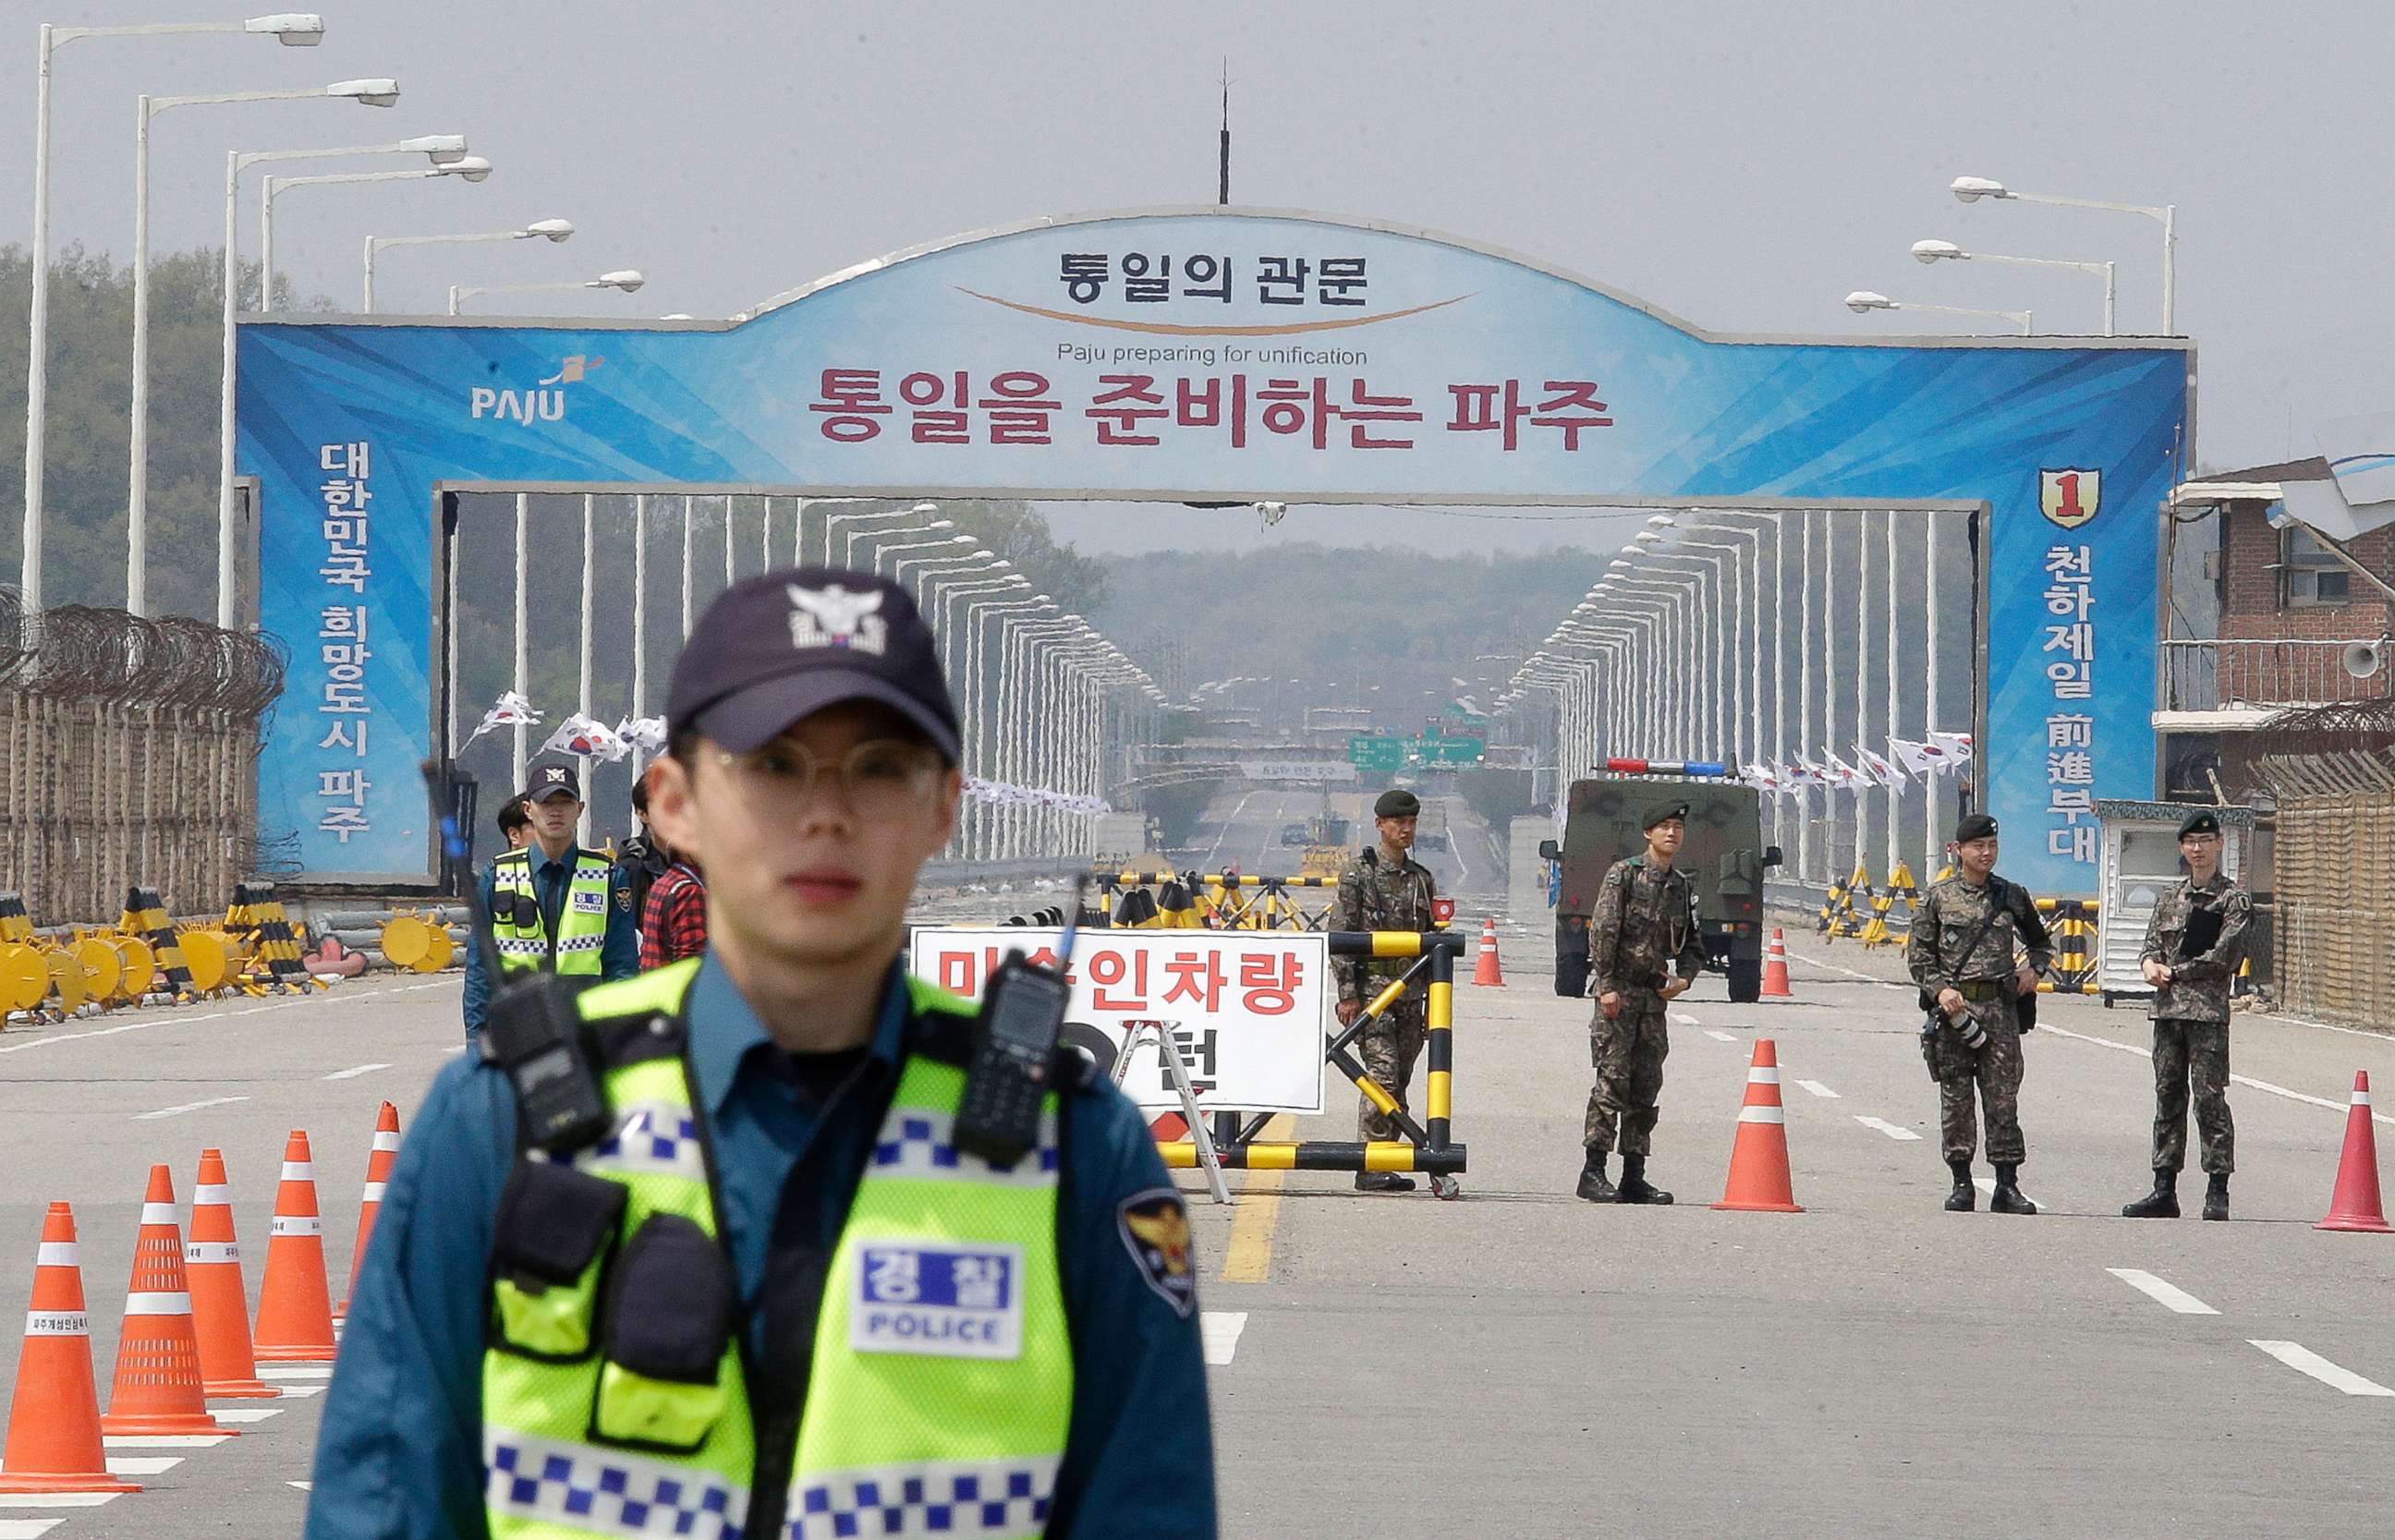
2007	1198
1592	1184
1964	1197
2160	1204
2215	1197
1636	1188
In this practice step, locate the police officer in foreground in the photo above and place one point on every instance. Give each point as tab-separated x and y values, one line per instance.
1962	956
780	1298
2191	949
1385	889
1644	951
553	904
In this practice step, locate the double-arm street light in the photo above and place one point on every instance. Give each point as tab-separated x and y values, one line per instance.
627	280
1864	300
1970	190
551	231
369	93
292	30
1930	253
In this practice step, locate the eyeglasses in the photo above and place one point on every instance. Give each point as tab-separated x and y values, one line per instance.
882	778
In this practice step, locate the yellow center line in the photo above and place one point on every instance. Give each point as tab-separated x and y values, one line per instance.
1249	1257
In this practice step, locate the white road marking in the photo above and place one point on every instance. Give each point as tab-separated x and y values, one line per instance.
1719	1037
2170	1296
304	1486
1819	1089
2295	1356
354	1072
1849	972
453	1050
243	1414
1892	1130
188	1107
168	1018
295	1392
295	1371
1686	1019
29	1529
142	1464
1221	1331
163	1440
2263	1086
57	1499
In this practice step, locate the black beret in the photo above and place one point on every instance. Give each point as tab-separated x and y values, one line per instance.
2199	824
1663	810
1974	826
1398	804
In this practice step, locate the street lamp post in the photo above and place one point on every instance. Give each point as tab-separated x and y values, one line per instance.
447	154
369	93
627	280
1970	190
1867	300
292	30
1929	252
552	230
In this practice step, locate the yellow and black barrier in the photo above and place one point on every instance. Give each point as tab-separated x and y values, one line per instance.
1219	901
2072	924
258	921
146	917
1428	1147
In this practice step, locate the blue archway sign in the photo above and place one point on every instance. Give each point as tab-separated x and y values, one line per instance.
1201	353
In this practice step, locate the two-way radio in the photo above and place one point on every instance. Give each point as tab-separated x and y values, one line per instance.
1012	1062
532	1029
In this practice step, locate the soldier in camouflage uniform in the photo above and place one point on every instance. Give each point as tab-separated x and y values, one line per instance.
1643	950
1976	986
2193	946
1386	889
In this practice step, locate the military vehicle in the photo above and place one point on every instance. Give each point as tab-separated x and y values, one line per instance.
1724	856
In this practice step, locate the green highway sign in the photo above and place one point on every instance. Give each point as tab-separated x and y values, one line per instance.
1373	752
1383	753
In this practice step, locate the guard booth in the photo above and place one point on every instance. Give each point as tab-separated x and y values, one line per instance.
2139	862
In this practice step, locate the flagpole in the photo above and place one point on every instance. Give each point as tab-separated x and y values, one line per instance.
582	829
523	520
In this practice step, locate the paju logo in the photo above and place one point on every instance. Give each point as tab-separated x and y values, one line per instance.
538	404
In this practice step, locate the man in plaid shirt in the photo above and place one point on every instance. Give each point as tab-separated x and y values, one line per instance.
674	924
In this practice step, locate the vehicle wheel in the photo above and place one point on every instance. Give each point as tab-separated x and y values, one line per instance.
1745	981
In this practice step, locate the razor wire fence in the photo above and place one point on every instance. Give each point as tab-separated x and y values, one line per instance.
129	753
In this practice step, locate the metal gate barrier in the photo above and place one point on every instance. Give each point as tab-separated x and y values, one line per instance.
1427	1147
1213	901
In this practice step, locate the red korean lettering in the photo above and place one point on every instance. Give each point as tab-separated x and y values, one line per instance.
1196	975
1270	980
852	400
947	425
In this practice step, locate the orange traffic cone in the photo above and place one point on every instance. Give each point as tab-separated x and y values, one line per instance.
54	1421
379	1161
219	1295
1775	969
2355	1204
157	1389
1758	1163
1486	971
295	1308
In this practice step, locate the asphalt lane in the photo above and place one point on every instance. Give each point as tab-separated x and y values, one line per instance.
1518	1361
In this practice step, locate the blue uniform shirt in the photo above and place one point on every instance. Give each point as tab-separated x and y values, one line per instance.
619	955
400	1453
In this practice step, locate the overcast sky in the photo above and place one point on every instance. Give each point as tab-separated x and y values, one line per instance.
1742	166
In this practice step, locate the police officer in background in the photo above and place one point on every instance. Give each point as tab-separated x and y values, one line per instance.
2193	946
1962	956
515	825
555	905
781	1297
1644	951
1385	889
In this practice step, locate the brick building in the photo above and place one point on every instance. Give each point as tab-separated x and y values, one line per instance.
2289	624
